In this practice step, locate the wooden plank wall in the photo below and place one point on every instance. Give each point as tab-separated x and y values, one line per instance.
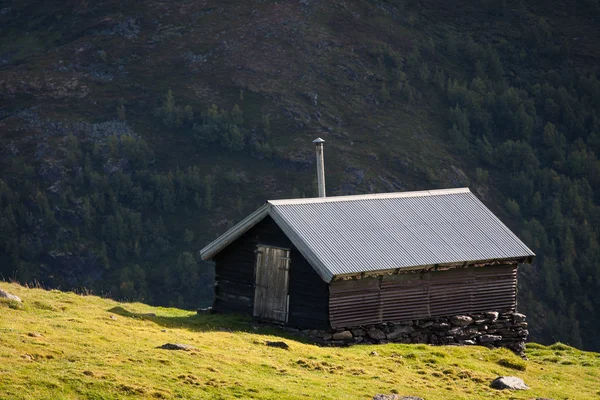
394	298
234	279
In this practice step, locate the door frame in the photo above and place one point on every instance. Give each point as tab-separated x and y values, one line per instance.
287	282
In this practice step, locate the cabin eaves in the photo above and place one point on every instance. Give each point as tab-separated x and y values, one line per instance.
368	234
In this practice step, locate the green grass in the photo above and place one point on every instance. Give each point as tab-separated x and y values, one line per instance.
95	348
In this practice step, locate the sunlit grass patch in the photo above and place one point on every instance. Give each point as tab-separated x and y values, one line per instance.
98	349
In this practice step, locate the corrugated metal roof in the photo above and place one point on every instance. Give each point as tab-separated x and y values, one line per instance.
367	233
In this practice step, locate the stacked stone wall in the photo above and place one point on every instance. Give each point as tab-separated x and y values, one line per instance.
491	329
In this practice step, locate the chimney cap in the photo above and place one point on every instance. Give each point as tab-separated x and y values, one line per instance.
318	140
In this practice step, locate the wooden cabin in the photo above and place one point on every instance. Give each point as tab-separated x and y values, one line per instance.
347	261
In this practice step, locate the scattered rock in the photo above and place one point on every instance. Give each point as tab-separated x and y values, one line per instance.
461	320
344	335
176	346
113	317
374	353
395	397
6	295
509	382
34	334
278	344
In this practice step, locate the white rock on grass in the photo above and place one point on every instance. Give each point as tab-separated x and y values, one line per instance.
6	295
509	382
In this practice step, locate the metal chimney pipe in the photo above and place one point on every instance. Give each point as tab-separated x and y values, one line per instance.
320	166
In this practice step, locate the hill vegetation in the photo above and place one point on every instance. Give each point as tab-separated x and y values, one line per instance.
132	133
58	345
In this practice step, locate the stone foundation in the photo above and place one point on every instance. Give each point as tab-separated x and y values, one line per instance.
491	329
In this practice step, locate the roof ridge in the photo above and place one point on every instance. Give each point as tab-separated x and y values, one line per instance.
371	196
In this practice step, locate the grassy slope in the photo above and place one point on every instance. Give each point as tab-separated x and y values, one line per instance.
84	353
278	54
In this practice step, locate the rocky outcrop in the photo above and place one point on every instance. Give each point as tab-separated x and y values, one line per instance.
491	329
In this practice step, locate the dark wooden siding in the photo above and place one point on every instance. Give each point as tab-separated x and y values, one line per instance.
234	280
418	295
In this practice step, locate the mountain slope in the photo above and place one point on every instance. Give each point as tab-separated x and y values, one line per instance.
133	133
64	346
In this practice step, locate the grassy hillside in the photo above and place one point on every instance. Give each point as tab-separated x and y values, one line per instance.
61	345
134	132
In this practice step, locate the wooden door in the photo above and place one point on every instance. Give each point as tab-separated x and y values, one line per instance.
271	289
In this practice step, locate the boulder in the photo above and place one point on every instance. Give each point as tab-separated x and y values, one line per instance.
457	331
461	320
343	335
509	382
491	315
483	339
176	346
441	325
517	317
472	331
425	324
395	397
400	331
376	334
278	344
358	332
9	296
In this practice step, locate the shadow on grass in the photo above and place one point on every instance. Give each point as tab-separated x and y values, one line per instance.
212	323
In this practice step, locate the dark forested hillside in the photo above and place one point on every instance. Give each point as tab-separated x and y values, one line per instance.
134	132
